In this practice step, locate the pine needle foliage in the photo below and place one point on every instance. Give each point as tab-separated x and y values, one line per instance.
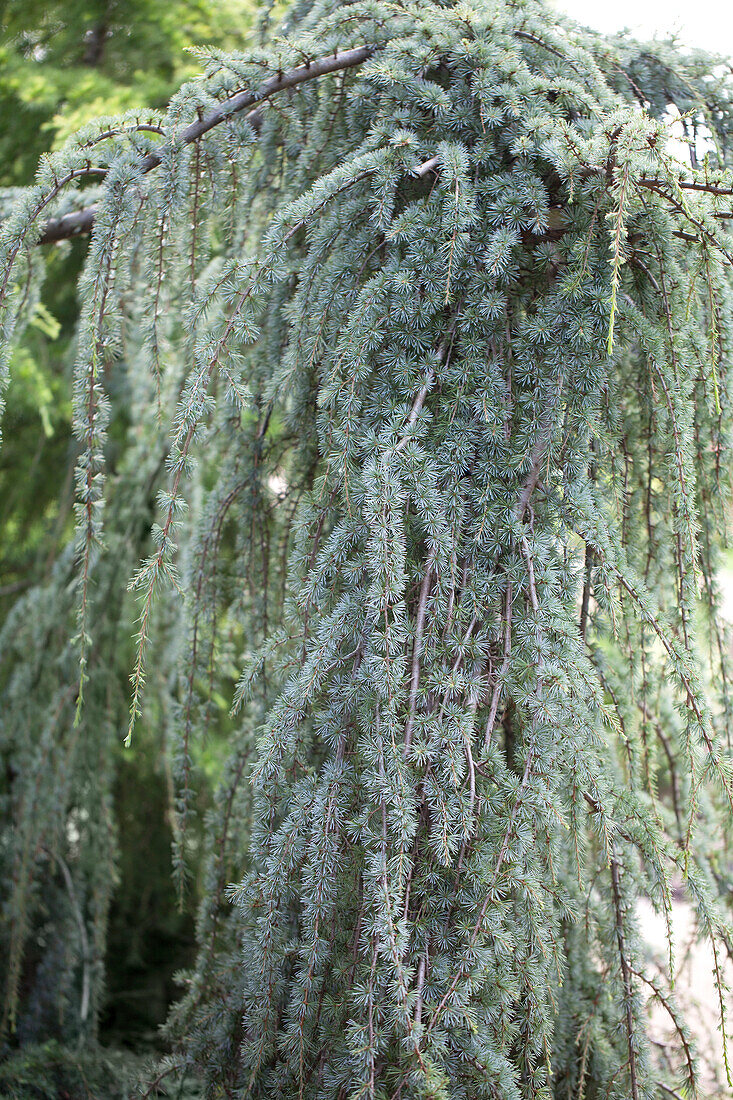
429	335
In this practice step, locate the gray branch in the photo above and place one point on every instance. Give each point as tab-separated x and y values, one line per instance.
79	222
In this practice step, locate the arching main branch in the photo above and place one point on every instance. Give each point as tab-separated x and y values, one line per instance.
79	222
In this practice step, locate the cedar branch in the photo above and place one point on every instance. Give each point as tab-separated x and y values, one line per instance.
78	222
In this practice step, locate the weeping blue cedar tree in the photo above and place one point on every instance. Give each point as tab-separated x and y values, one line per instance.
423	334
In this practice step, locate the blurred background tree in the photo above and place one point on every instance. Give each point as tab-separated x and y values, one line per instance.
61	65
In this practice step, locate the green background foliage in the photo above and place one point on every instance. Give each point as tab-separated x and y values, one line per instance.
61	66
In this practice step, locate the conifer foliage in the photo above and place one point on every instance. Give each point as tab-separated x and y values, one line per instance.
422	335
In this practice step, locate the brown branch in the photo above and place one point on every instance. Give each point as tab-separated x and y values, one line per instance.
691	185
417	651
79	222
676	1023
658	188
626	972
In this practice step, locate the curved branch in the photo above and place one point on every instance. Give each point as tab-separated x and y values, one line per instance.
79	222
